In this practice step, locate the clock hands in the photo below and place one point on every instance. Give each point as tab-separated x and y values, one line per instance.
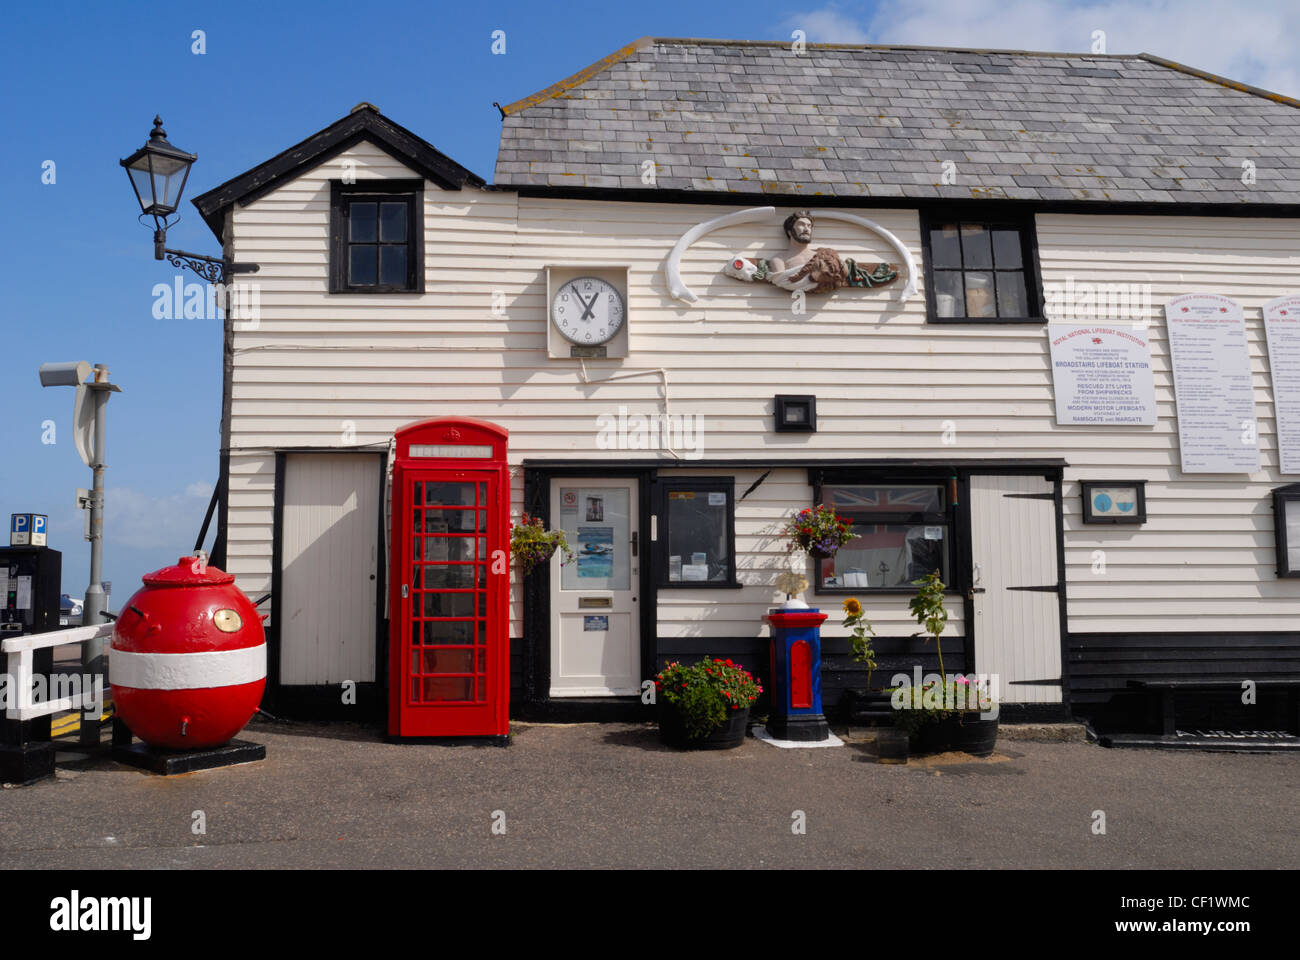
586	307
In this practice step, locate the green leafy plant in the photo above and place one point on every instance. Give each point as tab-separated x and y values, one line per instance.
934	701
706	693
860	644
532	544
927	606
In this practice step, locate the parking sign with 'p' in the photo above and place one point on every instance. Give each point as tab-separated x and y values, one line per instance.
27	529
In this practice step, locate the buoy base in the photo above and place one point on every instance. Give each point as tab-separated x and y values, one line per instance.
169	763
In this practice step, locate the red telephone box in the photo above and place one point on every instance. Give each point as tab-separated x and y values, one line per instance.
449	658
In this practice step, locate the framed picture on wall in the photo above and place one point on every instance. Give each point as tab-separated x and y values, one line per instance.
1114	501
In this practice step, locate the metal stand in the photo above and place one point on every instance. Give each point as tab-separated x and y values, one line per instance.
169	763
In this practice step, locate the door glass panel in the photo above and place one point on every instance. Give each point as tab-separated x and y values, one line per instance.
598	526
449	631
449	603
445	660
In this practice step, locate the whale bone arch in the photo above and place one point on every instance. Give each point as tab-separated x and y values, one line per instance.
678	290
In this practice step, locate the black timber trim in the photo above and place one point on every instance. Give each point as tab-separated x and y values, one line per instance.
537	701
1102	664
324	701
1049	466
813	201
364	123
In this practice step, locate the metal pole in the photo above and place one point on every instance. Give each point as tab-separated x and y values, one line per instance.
92	651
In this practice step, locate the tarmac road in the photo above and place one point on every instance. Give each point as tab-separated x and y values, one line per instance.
609	795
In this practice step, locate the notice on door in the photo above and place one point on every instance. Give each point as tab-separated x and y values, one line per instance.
1217	431
1102	374
1282	327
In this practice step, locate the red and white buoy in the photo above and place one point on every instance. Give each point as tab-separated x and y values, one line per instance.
187	663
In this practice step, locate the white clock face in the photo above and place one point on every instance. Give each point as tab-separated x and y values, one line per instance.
588	311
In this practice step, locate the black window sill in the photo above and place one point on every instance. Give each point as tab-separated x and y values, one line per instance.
854	591
379	290
999	320
701	584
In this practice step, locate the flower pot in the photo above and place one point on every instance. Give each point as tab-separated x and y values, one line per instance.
935	736
891	746
817	554
731	734
975	736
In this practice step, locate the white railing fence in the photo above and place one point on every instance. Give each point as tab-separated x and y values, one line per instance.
20	700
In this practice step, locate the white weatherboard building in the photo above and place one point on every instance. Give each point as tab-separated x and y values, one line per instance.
1008	189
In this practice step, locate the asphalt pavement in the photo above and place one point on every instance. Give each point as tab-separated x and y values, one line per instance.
610	795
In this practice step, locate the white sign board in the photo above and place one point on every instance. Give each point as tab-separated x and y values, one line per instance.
1102	374
1217	432
1282	326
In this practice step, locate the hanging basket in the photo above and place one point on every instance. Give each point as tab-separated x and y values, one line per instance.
536	557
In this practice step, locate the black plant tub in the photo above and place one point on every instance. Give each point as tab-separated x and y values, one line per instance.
727	736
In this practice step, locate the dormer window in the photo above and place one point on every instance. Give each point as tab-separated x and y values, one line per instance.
375	232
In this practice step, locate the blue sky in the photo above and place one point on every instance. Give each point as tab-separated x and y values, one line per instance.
81	83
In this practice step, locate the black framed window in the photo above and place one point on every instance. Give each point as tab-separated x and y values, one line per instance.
376	243
1286	529
904	530
695	532
981	270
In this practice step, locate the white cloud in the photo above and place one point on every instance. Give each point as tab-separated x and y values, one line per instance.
149	521
1252	43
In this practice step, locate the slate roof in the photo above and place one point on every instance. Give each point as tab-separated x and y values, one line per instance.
878	121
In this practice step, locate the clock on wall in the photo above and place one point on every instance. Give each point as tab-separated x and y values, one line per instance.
586	311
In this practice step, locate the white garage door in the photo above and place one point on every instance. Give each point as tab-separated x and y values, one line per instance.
329	563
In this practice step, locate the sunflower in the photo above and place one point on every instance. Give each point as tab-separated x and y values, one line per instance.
852	607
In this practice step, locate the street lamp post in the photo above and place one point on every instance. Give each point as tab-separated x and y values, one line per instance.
158	173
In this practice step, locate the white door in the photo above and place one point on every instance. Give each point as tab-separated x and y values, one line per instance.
595	616
329	560
1017	613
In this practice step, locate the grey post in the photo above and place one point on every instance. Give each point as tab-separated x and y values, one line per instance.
92	651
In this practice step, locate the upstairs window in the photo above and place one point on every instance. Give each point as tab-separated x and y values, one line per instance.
981	270
375	231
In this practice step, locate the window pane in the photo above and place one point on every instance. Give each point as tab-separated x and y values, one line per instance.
392	262
976	250
949	297
945	249
888	555
392	222
1011	294
697	536
861	501
449	631
1006	249
361	221
979	295
361	265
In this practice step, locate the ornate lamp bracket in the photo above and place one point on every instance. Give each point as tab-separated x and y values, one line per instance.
211	269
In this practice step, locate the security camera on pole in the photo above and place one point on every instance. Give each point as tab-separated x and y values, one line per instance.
90	418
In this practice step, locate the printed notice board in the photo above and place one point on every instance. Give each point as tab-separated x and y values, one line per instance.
1102	374
1217	431
1282	327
